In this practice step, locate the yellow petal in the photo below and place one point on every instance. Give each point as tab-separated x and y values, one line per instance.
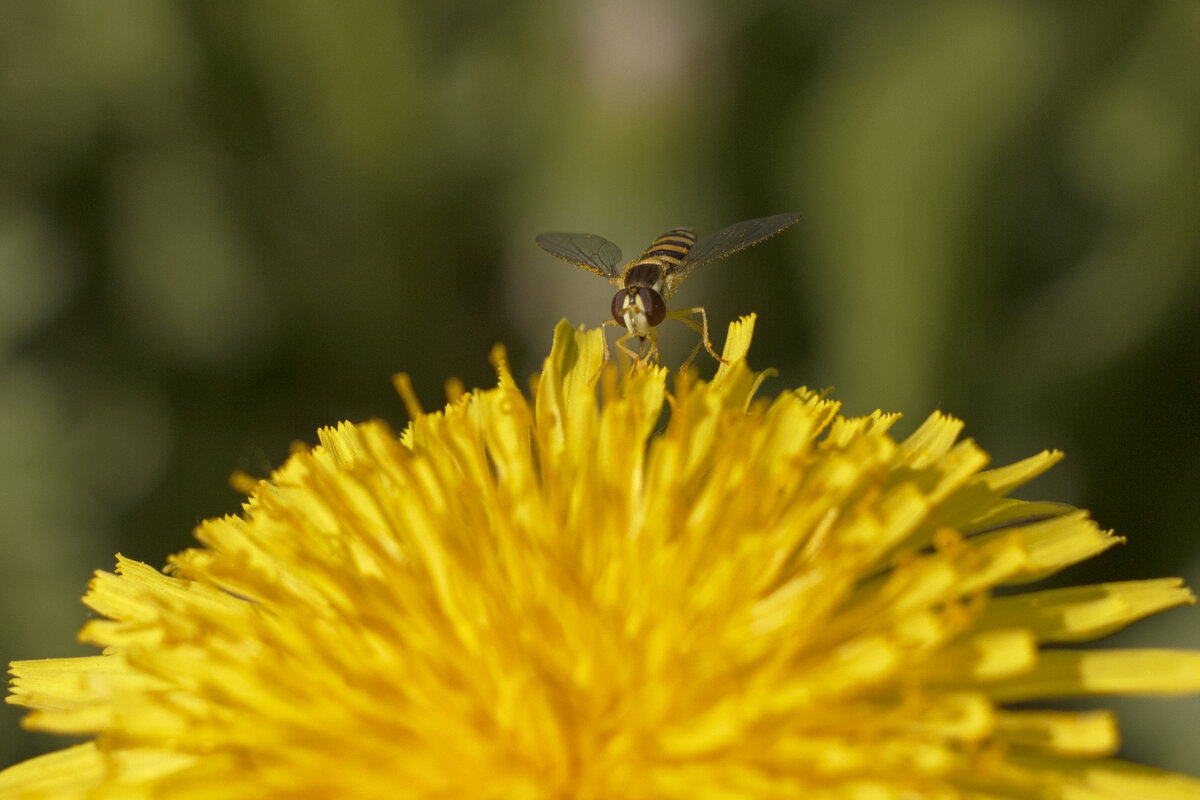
1065	673
83	772
1081	613
1089	733
983	657
1104	780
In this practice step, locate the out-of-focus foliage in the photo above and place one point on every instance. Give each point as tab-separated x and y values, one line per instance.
225	224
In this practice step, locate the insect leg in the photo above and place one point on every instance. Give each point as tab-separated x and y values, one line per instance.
604	339
647	351
685	316
691	357
652	351
625	350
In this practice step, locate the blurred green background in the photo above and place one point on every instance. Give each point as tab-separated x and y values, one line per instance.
225	224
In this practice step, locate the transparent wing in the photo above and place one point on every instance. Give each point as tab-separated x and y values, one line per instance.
728	241
593	253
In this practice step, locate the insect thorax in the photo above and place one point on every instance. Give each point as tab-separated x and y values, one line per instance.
648	273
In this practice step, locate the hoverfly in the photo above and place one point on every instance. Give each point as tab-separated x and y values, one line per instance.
647	281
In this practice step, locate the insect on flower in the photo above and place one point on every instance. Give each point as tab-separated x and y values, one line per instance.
647	281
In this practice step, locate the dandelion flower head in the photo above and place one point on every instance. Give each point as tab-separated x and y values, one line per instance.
613	591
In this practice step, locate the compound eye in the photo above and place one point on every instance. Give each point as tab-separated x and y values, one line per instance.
656	309
618	306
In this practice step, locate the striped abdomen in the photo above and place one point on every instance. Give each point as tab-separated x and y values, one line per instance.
663	255
671	248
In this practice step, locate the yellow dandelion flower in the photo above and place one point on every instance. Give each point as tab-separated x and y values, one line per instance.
572	597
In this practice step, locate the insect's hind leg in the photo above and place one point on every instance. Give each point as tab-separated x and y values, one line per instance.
685	316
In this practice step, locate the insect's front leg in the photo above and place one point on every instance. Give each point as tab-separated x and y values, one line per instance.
649	347
622	349
647	351
604	339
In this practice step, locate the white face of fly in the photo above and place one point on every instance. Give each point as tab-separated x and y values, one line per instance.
639	305
634	316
